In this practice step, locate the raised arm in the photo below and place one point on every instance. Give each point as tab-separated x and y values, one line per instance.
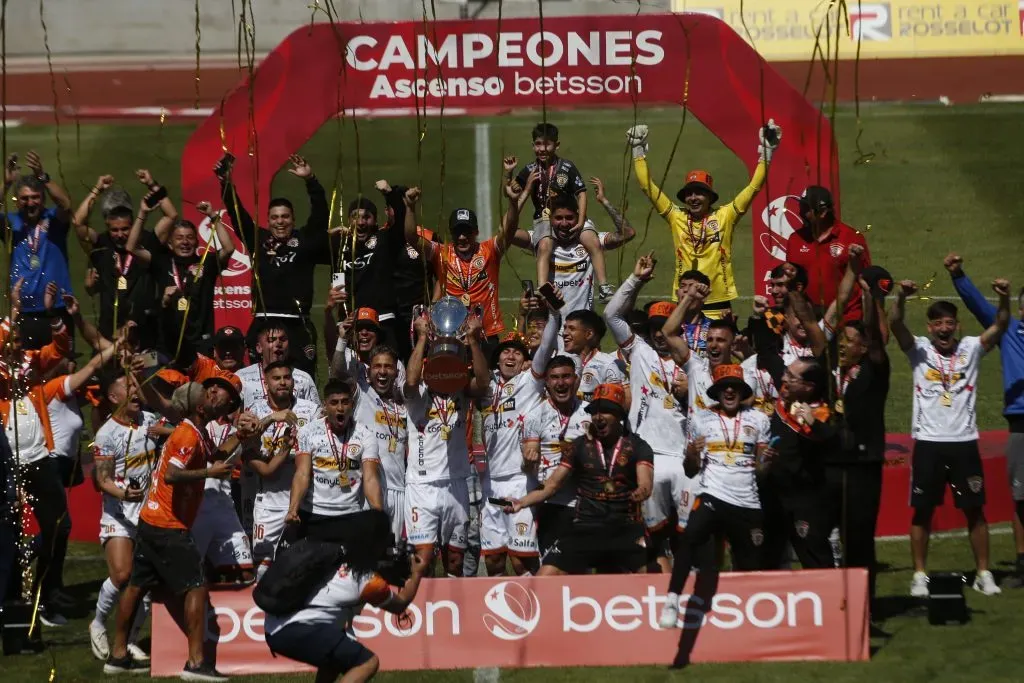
991	336
625	297
980	307
90	332
673	329
86	235
225	245
624	231
769	137
57	193
170	213
636	137
481	379
135	235
875	325
319	212
548	342
897	313
414	368
804	311
241	221
834	315
412	236
510	221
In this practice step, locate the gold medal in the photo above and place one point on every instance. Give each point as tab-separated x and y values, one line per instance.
344	482
840	407
122	283
466	300
392	444
946	399
446	432
34	262
22	407
670	402
183	304
609	486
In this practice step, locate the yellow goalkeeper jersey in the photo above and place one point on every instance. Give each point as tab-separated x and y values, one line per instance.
704	245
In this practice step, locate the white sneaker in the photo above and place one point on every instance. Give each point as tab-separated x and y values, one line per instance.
985	583
98	640
51	617
919	585
670	612
137	653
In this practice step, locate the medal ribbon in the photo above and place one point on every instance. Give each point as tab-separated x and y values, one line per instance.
730	445
444	414
947	380
122	268
665	378
331	438
466	281
393	432
179	280
34	238
544	188
610	464
698	244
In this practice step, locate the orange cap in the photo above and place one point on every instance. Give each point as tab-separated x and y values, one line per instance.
660	309
702	177
367	315
615	393
728	370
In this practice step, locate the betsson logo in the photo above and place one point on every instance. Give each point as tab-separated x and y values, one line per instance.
515	611
518	610
513	50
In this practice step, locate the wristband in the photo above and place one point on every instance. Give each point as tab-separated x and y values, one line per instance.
43	177
340	346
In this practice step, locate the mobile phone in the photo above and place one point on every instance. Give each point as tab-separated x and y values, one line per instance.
528	287
337	280
547	290
225	163
150	359
500	502
156	197
134	483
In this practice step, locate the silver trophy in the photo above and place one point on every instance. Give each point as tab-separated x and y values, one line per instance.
445	368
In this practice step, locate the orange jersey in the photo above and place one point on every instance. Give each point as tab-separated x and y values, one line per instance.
174	506
474	282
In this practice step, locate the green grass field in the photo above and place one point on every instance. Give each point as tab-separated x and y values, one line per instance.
941	179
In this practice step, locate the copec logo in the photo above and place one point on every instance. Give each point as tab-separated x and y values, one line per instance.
552	63
513	612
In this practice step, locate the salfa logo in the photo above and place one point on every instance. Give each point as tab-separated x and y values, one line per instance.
514	611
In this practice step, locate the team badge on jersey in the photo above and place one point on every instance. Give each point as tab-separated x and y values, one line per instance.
371	242
293	242
756	537
411	252
836	249
562	179
581	251
478	261
802	528
975	484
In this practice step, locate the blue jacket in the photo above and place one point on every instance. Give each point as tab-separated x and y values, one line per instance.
1011	346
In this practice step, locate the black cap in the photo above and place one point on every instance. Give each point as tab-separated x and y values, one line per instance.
363	203
816	198
879	280
228	335
512	341
463	219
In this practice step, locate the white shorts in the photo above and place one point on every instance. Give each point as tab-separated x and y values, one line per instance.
394	504
115	526
267	529
437	513
515	534
673	490
219	535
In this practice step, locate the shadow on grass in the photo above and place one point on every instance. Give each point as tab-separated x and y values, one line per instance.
704	589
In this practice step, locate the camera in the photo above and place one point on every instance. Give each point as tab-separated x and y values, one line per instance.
395	567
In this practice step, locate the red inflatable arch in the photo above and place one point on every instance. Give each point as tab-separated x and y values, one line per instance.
578	61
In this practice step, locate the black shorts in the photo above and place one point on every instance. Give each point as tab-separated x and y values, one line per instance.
317	646
553	521
936	463
167	558
608	550
743	527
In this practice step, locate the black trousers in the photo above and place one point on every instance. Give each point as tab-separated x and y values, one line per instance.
42	483
854	495
803	519
711	517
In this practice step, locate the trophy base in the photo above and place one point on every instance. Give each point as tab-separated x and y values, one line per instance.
15	621
446	373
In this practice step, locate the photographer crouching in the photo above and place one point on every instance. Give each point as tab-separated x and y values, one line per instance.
340	579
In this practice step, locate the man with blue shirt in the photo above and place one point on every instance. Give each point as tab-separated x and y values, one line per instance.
39	238
1011	354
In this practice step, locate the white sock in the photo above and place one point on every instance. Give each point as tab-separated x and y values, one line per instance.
672	599
140	619
105	602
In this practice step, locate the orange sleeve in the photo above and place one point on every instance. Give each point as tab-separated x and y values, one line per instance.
54	389
172	377
182	447
376	591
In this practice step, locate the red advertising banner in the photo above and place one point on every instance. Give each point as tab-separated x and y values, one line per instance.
571	621
481	67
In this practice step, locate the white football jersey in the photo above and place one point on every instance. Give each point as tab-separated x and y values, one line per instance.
438	451
599	368
504	411
135	455
573	272
387	418
730	453
945	390
275	492
761	382
791	349
336	486
219	432
338	600
254	388
554	431
654	413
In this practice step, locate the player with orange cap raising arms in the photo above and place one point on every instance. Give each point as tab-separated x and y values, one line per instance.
701	233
